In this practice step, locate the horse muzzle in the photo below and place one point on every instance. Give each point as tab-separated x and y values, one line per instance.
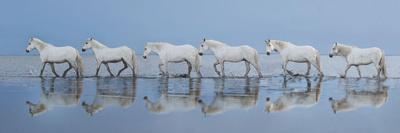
330	55
201	54
27	51
144	57
83	50
268	53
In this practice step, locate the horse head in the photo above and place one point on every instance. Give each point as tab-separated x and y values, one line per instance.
203	47
91	109
36	109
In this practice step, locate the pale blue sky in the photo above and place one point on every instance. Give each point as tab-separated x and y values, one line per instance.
132	22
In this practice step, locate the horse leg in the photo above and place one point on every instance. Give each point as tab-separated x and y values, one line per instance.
98	68
166	69
223	68
215	68
161	70
345	71
285	63
69	68
43	66
53	69
247	68
125	66
189	67
359	71
308	68
379	70
109	70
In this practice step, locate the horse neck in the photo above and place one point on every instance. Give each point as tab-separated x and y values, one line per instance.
281	45
344	50
156	47
97	45
40	46
216	46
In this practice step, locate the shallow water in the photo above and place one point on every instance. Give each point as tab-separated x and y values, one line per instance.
32	104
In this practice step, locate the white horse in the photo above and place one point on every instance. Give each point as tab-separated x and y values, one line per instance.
358	99
290	100
174	102
294	53
57	55
225	101
225	53
107	97
170	53
55	97
356	56
105	55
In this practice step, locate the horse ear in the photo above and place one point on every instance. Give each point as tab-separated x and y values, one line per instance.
91	38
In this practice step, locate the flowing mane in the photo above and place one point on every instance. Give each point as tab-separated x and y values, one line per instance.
40	44
281	44
97	44
157	45
214	43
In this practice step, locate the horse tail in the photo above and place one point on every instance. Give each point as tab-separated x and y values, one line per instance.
79	64
134	63
382	64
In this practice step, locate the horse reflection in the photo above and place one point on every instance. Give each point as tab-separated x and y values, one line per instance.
111	93
225	101
172	102
290	100
356	99
66	95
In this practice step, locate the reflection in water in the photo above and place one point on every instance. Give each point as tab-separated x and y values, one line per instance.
110	92
290	100
171	102
356	99
67	94
224	101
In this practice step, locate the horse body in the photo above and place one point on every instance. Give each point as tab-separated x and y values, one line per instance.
225	53
293	53
105	55
54	98
299	54
360	56
290	100
358	99
173	102
225	101
113	55
57	55
170	53
107	97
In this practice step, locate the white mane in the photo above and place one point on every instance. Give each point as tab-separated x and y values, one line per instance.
215	43
97	44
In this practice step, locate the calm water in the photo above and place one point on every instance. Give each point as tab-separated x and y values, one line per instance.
180	105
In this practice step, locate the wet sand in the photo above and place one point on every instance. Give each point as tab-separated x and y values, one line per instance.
172	105
180	105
